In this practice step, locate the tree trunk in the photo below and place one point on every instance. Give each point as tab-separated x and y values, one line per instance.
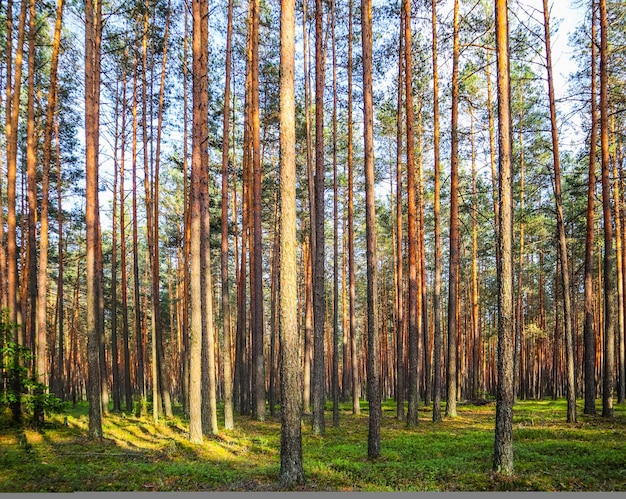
93	27
12	111
199	163
455	241
608	379
335	367
503	444
319	273
291	469
228	379
560	220
256	284
356	386
438	339
141	380
373	374
399	302
413	325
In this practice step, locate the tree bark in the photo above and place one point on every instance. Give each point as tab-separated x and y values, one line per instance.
228	380
356	386
399	302
455	241
319	273
438	339
608	379
291	469
256	284
560	220
93	27
199	163
373	368
503	443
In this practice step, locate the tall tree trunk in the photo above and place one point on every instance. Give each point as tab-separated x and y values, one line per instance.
455	241
438	339
186	227
291	469
228	377
319	273
400	386
503	443
608	379
199	162
256	273
619	261
61	388
11	129
356	386
31	167
42	276
93	29
519	323
141	379
412	221
373	374
475	322
335	369
560	221
115	367
128	393
156	302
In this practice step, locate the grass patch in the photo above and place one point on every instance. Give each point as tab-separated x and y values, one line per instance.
455	455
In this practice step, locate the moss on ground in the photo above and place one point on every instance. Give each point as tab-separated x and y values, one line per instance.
455	455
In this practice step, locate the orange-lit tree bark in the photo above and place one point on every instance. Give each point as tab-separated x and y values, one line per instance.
413	326
335	365
560	221
93	30
399	303
164	384
503	442
608	378
42	276
455	241
199	162
308	326
228	381
291	470
373	374
31	168
438	339
356	386
256	273
12	112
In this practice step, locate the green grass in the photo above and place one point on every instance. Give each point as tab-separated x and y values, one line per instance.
455	455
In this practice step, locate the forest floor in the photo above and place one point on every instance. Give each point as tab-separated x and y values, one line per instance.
455	455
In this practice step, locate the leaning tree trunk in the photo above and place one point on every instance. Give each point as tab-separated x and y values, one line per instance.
560	221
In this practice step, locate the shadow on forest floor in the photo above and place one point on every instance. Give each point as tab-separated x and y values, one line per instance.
455	455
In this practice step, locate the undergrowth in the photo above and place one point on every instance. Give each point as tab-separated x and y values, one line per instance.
455	455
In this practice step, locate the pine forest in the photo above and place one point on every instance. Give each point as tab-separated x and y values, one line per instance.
312	245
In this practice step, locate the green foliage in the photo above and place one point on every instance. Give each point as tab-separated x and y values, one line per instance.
455	455
23	394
